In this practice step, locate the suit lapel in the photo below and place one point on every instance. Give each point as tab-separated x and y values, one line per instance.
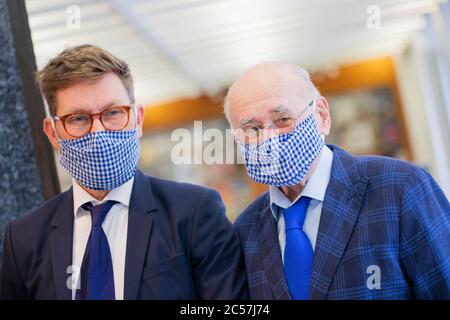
343	201
61	242
139	229
267	235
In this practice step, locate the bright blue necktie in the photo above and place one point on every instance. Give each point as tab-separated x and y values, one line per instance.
96	276
298	253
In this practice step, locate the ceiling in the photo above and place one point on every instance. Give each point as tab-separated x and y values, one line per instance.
181	49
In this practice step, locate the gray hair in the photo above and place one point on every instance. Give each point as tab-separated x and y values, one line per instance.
302	73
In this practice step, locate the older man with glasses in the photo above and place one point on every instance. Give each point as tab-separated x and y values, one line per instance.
332	225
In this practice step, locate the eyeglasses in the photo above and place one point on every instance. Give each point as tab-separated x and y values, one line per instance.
113	119
282	123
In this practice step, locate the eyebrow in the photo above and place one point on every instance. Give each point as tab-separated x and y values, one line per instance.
276	110
244	122
106	106
279	109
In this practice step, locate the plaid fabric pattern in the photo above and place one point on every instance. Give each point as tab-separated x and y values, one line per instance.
285	159
101	160
377	212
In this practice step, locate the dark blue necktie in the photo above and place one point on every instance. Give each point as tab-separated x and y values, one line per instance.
96	276
298	253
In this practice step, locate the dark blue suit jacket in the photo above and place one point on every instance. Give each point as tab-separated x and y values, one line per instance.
180	245
377	212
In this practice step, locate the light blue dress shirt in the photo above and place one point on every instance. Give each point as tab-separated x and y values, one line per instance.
315	188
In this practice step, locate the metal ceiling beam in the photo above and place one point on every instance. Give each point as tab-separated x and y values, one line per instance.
320	54
124	9
235	33
53	34
238	13
36	7
276	46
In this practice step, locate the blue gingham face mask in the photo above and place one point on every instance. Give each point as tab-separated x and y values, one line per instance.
284	160
102	160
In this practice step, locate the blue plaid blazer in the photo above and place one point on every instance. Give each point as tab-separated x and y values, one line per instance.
377	212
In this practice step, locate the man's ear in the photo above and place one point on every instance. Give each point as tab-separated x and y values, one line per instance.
323	115
140	119
50	132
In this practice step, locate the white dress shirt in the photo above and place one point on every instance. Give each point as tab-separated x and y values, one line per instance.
115	227
315	188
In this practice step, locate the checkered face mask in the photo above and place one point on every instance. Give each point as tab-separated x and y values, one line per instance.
102	160
284	160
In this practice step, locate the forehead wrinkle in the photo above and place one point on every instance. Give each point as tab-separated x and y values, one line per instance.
239	97
279	109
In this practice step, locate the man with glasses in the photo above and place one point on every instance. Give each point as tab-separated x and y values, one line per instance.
117	233
332	225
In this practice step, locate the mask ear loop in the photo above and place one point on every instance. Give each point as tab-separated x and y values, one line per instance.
135	111
314	106
54	127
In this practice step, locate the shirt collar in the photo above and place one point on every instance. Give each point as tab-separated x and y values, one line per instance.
121	194
315	188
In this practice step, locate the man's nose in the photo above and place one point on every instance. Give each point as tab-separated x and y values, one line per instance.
97	125
269	132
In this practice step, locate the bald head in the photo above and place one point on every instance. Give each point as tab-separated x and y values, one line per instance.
270	79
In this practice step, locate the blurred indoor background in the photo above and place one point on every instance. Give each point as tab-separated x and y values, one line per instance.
383	65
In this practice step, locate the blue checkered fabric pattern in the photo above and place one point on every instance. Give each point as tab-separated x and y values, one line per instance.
101	160
285	159
377	213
